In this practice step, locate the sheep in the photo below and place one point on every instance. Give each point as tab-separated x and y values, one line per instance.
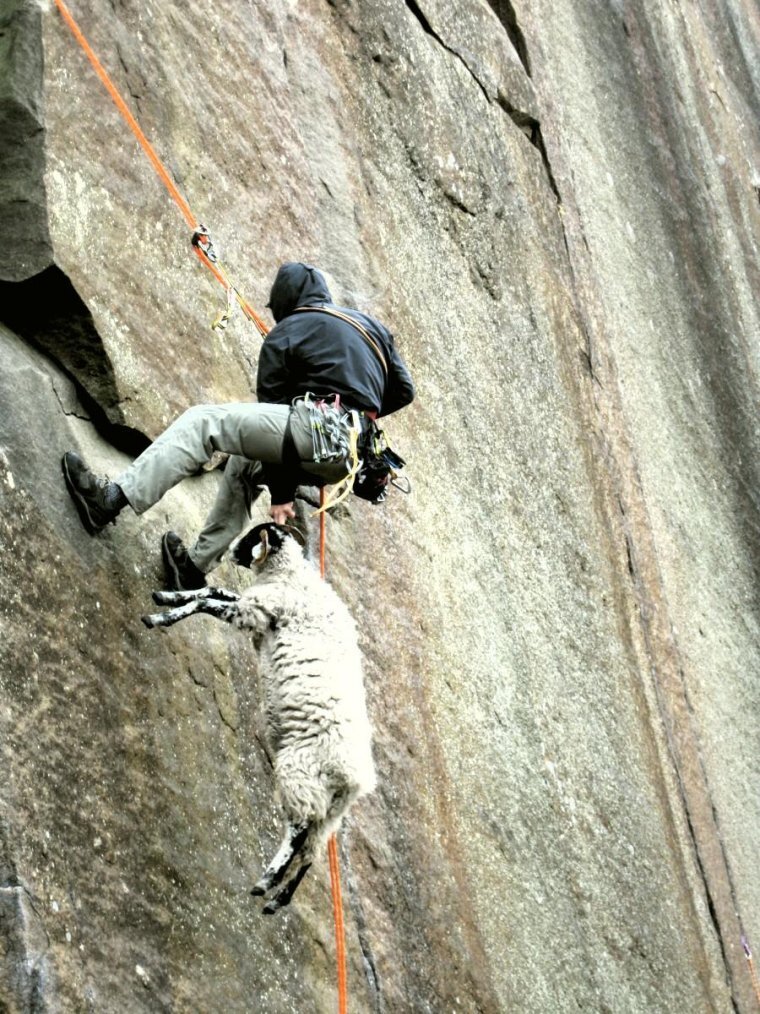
314	703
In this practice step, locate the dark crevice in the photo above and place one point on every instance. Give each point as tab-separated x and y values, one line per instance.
360	920
223	719
458	204
718	97
588	355
714	918
528	124
126	439
629	551
127	78
47	312
531	127
414	8
505	12
538	142
264	748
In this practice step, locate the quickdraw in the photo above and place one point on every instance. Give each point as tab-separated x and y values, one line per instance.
331	427
201	239
222	320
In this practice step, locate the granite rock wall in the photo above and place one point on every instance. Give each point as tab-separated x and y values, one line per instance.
555	208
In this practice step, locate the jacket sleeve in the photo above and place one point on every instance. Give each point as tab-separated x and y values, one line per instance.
282	482
273	385
399	387
273	375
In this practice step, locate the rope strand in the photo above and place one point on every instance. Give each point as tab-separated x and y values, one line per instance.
161	170
332	845
751	964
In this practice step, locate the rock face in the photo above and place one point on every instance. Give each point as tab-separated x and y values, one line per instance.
555	206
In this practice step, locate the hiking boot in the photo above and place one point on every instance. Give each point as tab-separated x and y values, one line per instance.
97	500
181	572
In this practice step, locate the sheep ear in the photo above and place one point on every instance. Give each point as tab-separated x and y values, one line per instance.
261	551
297	534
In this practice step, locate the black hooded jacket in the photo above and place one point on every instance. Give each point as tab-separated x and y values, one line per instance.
324	355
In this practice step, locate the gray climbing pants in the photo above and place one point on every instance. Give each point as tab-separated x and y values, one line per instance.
252	433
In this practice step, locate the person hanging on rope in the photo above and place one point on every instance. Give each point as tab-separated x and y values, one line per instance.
315	348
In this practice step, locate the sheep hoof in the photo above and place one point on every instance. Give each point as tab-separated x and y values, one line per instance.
271	907
149	621
258	891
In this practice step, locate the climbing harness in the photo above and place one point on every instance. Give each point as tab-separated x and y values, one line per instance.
201	241
374	465
335	433
331	426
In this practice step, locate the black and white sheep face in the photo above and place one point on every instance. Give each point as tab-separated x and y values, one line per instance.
261	542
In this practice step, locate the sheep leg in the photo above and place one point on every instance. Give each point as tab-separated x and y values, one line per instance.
221	609
284	895
293	842
171	616
177	598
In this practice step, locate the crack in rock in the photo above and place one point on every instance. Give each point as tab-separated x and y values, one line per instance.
47	312
506	13
525	122
362	932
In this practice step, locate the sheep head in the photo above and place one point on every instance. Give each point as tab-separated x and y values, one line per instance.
265	542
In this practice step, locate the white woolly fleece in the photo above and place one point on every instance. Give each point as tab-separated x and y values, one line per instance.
315	705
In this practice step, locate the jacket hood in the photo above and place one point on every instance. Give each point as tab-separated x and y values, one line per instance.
296	285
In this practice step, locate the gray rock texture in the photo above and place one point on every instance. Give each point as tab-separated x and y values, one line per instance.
556	208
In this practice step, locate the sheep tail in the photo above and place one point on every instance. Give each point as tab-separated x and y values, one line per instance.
314	796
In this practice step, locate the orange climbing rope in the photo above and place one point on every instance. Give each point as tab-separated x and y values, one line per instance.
163	174
751	964
220	274
332	845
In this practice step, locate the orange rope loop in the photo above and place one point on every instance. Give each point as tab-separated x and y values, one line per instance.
163	174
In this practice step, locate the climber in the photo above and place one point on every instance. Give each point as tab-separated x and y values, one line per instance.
315	347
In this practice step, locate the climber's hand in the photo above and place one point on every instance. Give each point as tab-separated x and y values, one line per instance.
280	512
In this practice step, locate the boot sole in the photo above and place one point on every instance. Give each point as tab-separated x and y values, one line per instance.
79	502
